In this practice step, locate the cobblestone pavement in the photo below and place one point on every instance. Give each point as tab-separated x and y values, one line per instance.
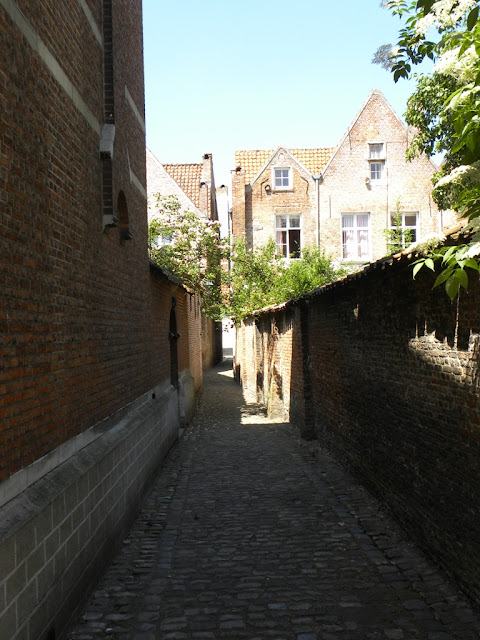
250	532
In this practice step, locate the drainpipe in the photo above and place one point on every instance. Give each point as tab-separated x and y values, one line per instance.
317	179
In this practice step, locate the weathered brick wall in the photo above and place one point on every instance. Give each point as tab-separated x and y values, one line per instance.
211	343
73	296
87	408
195	340
271	349
383	386
239	220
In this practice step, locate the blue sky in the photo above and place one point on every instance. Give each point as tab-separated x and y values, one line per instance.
223	75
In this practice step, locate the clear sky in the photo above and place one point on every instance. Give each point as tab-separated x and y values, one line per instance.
223	75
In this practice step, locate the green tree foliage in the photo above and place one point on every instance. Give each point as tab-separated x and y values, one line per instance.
445	109
397	237
190	248
312	270
252	279
260	278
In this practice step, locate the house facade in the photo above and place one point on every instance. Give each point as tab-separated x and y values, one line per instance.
341	199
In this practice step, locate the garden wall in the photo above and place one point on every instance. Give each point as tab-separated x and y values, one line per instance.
378	369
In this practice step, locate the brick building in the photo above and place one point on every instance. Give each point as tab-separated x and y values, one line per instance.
193	184
98	363
340	199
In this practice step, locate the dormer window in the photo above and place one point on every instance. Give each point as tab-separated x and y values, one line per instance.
282	178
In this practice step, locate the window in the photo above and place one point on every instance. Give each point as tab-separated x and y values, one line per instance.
376	157
376	151
282	178
376	170
287	232
356	236
165	238
407	223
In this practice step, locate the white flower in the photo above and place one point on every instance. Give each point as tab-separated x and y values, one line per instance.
464	68
445	13
430	240
461	175
473	251
424	24
448	13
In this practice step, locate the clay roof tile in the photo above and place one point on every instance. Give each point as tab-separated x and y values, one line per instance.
188	177
252	161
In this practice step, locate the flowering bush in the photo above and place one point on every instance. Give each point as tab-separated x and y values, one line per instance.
445	110
189	247
260	278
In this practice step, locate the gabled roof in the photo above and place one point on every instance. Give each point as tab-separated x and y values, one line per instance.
254	161
188	177
372	93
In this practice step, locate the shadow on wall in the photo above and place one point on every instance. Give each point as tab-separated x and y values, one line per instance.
370	378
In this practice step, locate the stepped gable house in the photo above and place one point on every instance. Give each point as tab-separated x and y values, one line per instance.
94	340
341	199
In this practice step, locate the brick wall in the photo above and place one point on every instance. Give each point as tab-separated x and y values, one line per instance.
72	295
264	206
87	408
376	376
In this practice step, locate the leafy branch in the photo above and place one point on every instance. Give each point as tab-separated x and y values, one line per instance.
454	262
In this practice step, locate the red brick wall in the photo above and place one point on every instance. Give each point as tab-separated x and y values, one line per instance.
238	203
376	376
262	206
78	341
195	340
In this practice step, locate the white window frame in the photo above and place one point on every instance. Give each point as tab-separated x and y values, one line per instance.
287	187
416	227
376	161
356	229
377	170
287	229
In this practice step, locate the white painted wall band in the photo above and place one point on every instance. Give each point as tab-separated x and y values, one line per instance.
91	21
134	108
33	39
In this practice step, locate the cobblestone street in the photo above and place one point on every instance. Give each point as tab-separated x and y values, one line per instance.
250	532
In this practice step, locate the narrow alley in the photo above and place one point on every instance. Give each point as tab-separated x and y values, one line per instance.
250	532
